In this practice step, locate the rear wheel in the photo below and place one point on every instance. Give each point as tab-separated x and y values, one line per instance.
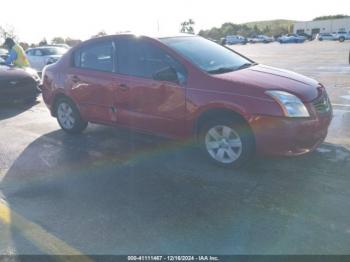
341	39
227	142
68	116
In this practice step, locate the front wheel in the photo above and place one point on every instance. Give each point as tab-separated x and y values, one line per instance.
68	117
341	39
227	142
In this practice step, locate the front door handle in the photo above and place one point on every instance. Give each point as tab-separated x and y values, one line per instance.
123	87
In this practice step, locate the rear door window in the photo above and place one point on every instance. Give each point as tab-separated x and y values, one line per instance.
38	52
97	56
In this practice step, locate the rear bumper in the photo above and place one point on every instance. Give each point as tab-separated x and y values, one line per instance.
289	137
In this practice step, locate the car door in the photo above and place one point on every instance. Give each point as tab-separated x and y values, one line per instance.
91	79
143	102
39	57
32	58
42	59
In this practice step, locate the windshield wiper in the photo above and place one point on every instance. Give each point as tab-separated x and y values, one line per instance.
245	65
221	70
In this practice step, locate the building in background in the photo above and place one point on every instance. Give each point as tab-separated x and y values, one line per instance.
322	26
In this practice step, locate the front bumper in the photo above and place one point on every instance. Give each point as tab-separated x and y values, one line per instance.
288	136
24	89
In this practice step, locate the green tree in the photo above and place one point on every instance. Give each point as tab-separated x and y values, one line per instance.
229	29
72	42
327	17
256	30
99	34
187	26
6	32
43	42
272	28
266	30
57	40
24	45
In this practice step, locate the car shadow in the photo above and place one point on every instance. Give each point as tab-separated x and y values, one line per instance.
112	191
11	109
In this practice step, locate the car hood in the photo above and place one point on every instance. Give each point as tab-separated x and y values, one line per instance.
10	73
270	78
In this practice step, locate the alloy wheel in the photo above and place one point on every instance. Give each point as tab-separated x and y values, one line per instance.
65	115
223	144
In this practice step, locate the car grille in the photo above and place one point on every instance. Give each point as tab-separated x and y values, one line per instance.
322	104
17	83
17	88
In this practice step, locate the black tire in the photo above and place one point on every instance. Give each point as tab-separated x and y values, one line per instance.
341	39
240	128
320	39
79	125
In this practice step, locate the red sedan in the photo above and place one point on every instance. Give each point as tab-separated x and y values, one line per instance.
188	87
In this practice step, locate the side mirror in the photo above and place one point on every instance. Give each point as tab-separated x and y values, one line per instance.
166	74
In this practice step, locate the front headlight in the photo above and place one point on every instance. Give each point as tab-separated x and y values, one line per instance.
291	105
36	77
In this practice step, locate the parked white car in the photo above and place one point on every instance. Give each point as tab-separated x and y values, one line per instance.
3	53
61	45
39	57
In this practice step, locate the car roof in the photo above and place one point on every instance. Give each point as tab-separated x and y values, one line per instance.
150	35
44	47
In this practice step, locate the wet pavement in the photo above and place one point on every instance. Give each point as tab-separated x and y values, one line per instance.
112	191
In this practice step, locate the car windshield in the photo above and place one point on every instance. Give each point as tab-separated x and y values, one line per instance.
54	51
207	55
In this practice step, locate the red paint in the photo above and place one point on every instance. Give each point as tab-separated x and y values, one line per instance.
172	110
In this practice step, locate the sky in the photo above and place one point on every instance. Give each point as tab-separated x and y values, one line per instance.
35	19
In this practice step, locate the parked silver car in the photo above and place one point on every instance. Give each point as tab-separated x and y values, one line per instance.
325	36
235	39
261	39
342	36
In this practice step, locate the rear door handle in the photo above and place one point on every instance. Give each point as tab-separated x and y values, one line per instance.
123	87
75	79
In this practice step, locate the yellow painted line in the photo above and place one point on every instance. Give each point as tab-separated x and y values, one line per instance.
45	241
5	214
